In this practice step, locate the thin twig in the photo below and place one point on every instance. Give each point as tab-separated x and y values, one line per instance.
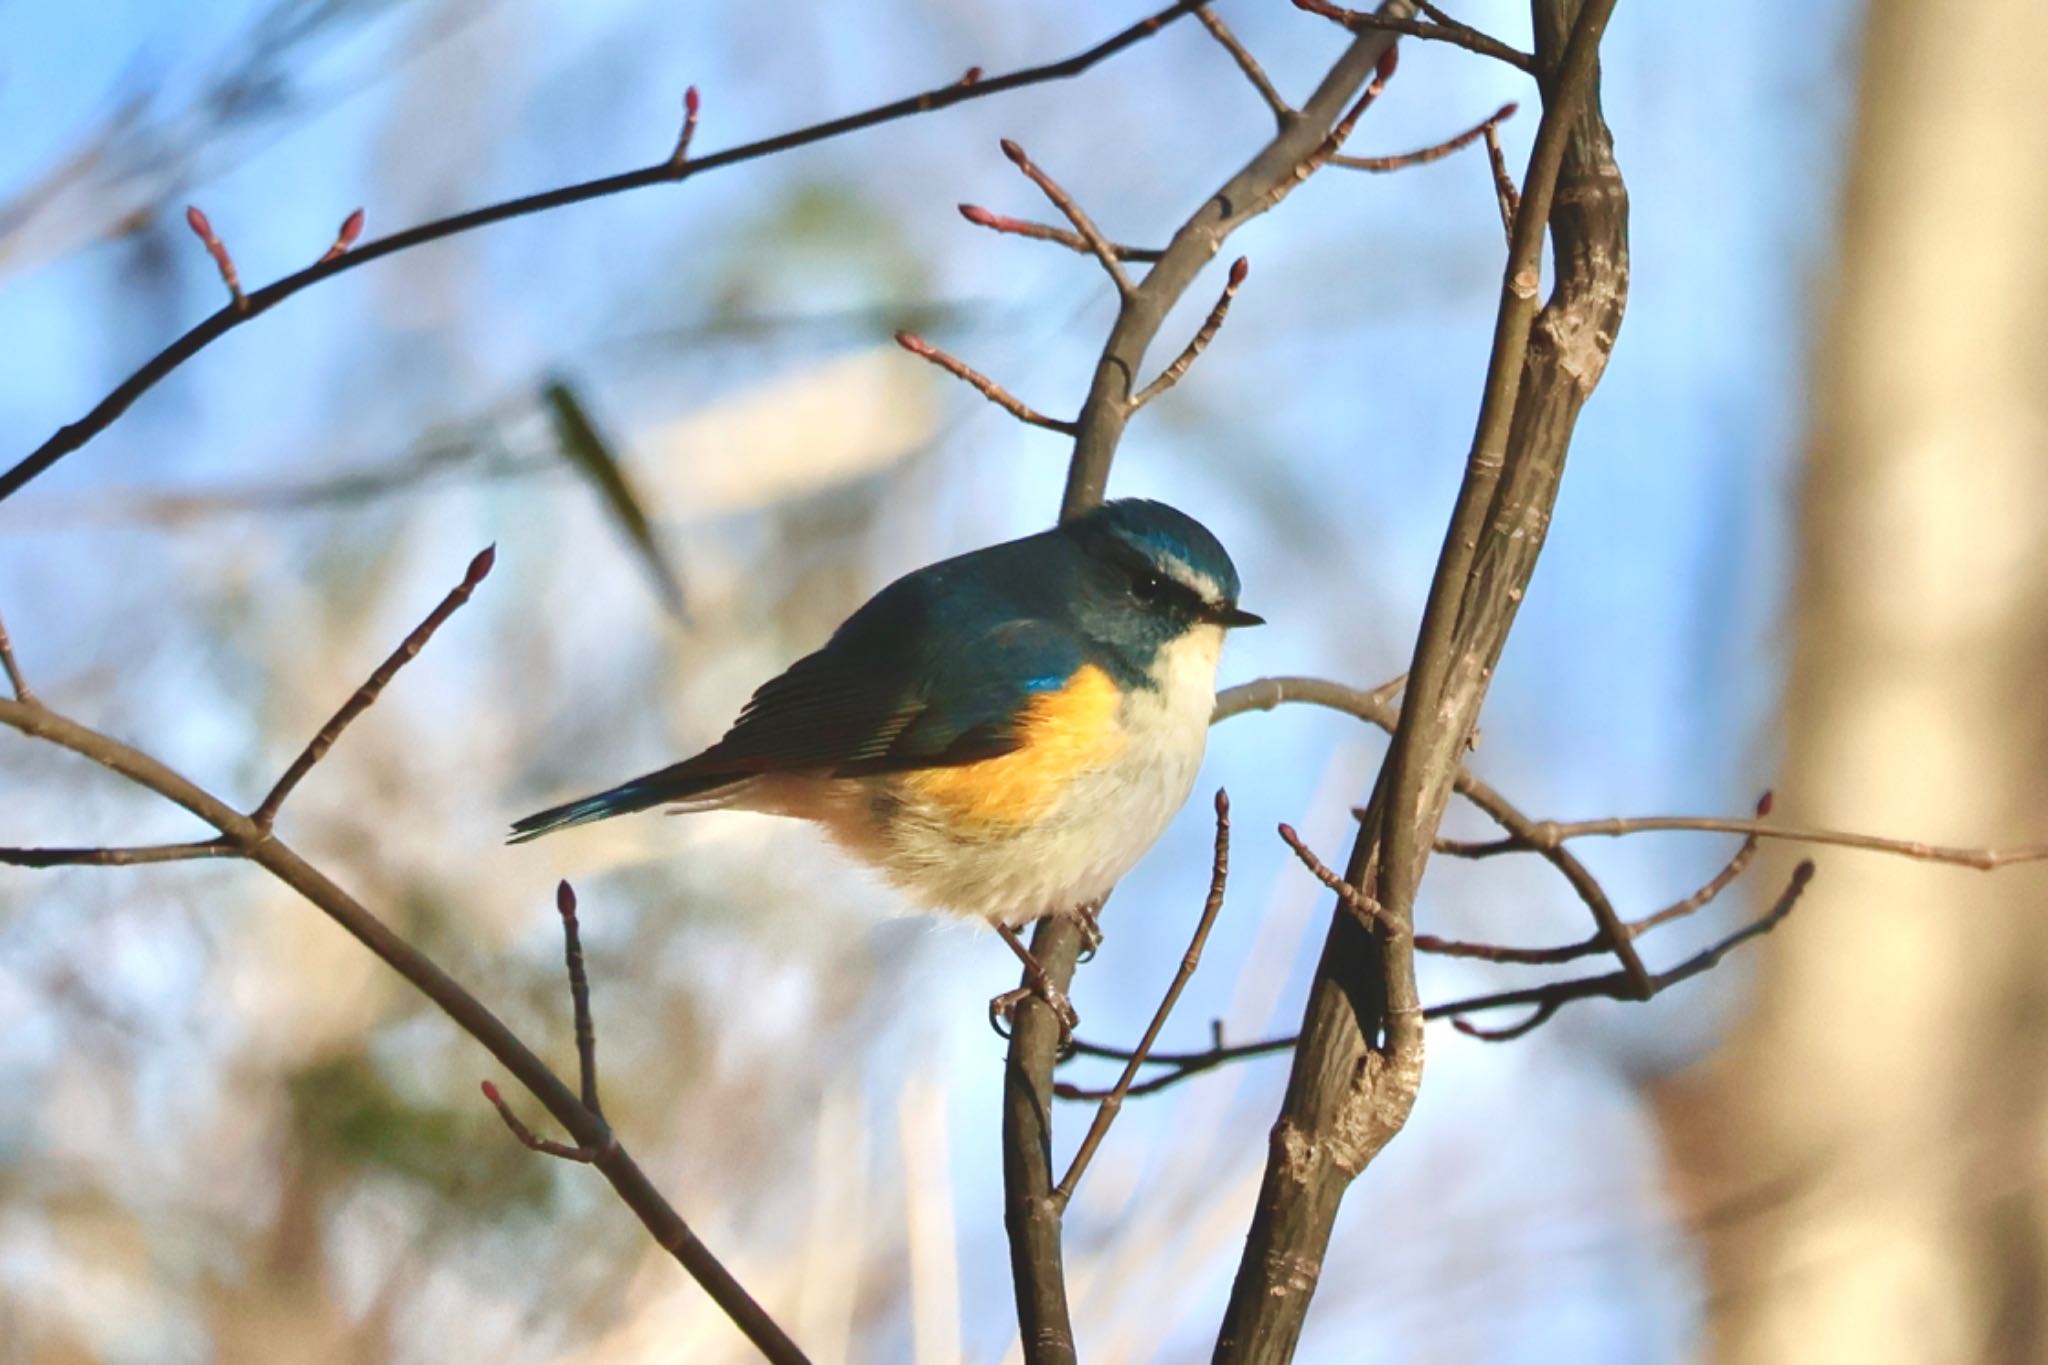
1422	156
1376	707
1504	191
1545	999
587	1156
118	857
1248	64
1438	30
1369	911
988	388
262	847
1199	343
363	697
579	998
1106	1113
222	261
691	103
1075	214
1546	835
74	435
1319	156
15	678
1046	232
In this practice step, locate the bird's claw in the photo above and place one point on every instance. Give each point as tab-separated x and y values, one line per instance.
1091	931
1003	1008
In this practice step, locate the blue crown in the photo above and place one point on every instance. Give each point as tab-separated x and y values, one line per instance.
1165	536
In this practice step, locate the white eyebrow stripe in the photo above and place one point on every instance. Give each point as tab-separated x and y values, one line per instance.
1201	584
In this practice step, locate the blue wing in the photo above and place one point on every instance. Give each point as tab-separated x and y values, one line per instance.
932	672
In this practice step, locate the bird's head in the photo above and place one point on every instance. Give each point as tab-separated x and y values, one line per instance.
1153	576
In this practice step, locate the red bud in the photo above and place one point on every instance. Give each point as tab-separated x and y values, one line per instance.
690	101
1238	270
196	220
351	228
491	1093
565	900
1013	151
1764	803
979	216
480	567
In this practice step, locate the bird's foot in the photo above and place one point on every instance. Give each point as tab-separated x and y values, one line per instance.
1037	984
1091	929
1002	1009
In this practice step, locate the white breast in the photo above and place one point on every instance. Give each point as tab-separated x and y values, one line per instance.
1098	830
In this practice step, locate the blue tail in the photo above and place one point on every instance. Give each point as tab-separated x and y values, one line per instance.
655	789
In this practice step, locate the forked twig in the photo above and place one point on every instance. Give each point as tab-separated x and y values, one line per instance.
1440	28
1083	224
1248	64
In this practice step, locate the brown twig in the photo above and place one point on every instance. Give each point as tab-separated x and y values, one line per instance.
1422	156
1106	1113
1033	1224
1083	224
1376	707
1319	156
1370	913
15	678
365	696
118	857
691	103
351	229
1545	835
1248	64
74	435
222	261
1504	191
594	1143
988	388
1545	1000
533	1141
579	998
1199	343
1439	29
1046	232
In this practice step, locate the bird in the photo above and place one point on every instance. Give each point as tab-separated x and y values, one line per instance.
1002	735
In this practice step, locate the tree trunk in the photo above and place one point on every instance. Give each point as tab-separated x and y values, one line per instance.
1866	1162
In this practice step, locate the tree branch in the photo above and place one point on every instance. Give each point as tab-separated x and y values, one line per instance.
1359	1063
244	836
1030	1215
669	170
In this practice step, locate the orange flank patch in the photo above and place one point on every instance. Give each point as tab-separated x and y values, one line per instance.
1065	733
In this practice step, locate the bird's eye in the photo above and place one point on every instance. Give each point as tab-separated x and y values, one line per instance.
1147	587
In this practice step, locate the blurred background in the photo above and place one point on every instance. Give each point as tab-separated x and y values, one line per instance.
1802	545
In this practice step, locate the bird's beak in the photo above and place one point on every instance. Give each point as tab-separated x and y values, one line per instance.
1231	618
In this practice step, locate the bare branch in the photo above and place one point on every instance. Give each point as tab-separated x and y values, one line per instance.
1248	64
1046	232
579	998
1440	29
1544	1001
103	414
365	696
1171	375
1219	873
1504	191
1083	224
1546	835
988	388
1320	155
15	678
531	1140
1422	156
118	857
